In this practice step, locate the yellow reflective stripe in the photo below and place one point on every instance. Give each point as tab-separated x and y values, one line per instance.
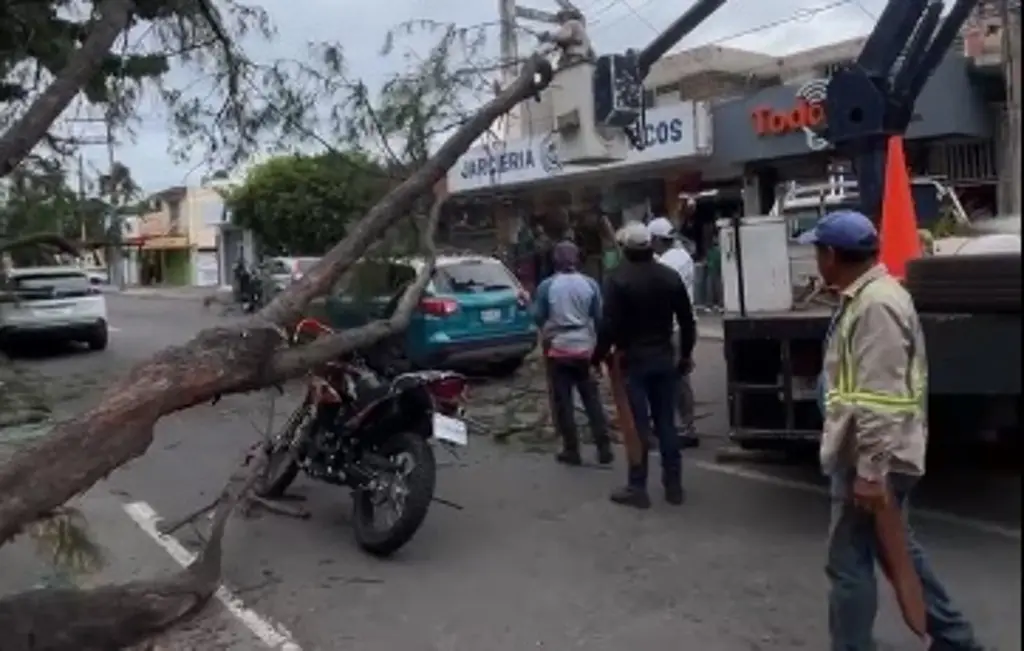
885	405
846	394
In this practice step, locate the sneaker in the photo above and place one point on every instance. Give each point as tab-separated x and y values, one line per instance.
569	458
675	495
629	496
605	457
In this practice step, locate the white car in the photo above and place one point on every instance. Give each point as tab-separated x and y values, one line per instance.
53	302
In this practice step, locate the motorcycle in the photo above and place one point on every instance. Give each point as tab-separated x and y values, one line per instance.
250	289
359	428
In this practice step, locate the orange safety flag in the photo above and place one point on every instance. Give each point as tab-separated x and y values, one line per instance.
900	242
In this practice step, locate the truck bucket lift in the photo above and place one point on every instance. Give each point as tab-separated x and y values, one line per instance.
873	99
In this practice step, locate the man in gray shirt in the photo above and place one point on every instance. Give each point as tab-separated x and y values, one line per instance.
567	307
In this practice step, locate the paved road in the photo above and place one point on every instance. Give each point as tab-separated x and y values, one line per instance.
537	558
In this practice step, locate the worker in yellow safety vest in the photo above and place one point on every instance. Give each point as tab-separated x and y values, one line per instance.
874	384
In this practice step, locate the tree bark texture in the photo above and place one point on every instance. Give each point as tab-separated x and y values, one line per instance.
81	451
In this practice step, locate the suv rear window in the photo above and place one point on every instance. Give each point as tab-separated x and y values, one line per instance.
46	286
473	276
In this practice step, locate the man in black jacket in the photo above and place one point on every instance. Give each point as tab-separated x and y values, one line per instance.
642	298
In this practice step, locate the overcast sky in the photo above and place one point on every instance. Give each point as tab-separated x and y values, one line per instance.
615	25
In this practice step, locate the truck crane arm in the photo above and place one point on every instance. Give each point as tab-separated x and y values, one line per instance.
873	99
679	29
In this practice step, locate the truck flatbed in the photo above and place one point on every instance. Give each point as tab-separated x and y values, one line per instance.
773	360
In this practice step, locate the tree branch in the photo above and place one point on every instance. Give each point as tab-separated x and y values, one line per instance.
30	128
292	361
218	360
117	616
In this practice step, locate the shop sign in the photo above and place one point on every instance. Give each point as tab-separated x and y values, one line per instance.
806	116
523	156
670	132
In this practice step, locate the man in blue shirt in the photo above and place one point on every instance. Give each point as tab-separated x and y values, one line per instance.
567	307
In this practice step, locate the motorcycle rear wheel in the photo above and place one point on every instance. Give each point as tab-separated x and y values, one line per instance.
420	481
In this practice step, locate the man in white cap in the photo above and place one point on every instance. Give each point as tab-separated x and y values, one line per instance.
671	253
642	299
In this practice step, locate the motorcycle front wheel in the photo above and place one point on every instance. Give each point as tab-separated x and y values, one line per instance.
282	468
388	513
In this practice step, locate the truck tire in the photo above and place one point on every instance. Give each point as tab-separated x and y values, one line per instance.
982	283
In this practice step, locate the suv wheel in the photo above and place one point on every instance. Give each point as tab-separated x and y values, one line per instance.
98	337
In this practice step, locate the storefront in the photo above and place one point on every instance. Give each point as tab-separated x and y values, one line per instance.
772	137
525	186
673	135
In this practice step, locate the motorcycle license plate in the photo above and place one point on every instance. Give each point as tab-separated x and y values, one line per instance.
450	429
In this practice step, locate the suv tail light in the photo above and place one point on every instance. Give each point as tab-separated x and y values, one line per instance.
441	307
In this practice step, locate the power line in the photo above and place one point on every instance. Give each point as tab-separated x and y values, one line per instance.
799	15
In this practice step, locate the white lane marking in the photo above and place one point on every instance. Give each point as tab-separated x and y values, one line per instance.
270	633
113	329
980	526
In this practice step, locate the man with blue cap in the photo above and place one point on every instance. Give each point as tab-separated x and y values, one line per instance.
874	388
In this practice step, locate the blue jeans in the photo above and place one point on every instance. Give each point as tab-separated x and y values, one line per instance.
853	594
652	388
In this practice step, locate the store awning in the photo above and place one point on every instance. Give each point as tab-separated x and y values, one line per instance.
165	243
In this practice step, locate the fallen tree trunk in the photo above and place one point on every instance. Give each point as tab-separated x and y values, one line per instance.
83	450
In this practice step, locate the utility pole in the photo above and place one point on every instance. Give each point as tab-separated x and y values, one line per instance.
113	220
509	42
81	197
115	228
509	13
1010	19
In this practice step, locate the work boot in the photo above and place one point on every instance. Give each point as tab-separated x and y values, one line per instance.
604	455
569	458
631	496
674	494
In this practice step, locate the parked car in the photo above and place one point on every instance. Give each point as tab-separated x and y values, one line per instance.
284	271
474	313
53	302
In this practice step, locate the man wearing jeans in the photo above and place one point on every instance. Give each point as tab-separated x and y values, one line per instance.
669	252
567	308
642	300
874	385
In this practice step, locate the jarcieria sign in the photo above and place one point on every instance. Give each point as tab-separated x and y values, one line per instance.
672	132
805	116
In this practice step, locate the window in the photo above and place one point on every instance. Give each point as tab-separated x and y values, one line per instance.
474	276
50	286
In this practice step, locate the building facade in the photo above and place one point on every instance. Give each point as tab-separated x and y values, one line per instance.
175	242
772	136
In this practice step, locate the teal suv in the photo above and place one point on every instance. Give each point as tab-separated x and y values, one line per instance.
474	313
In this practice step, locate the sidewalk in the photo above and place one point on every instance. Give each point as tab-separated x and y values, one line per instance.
709	326
173	293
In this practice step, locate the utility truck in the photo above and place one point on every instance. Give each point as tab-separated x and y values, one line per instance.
777	313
